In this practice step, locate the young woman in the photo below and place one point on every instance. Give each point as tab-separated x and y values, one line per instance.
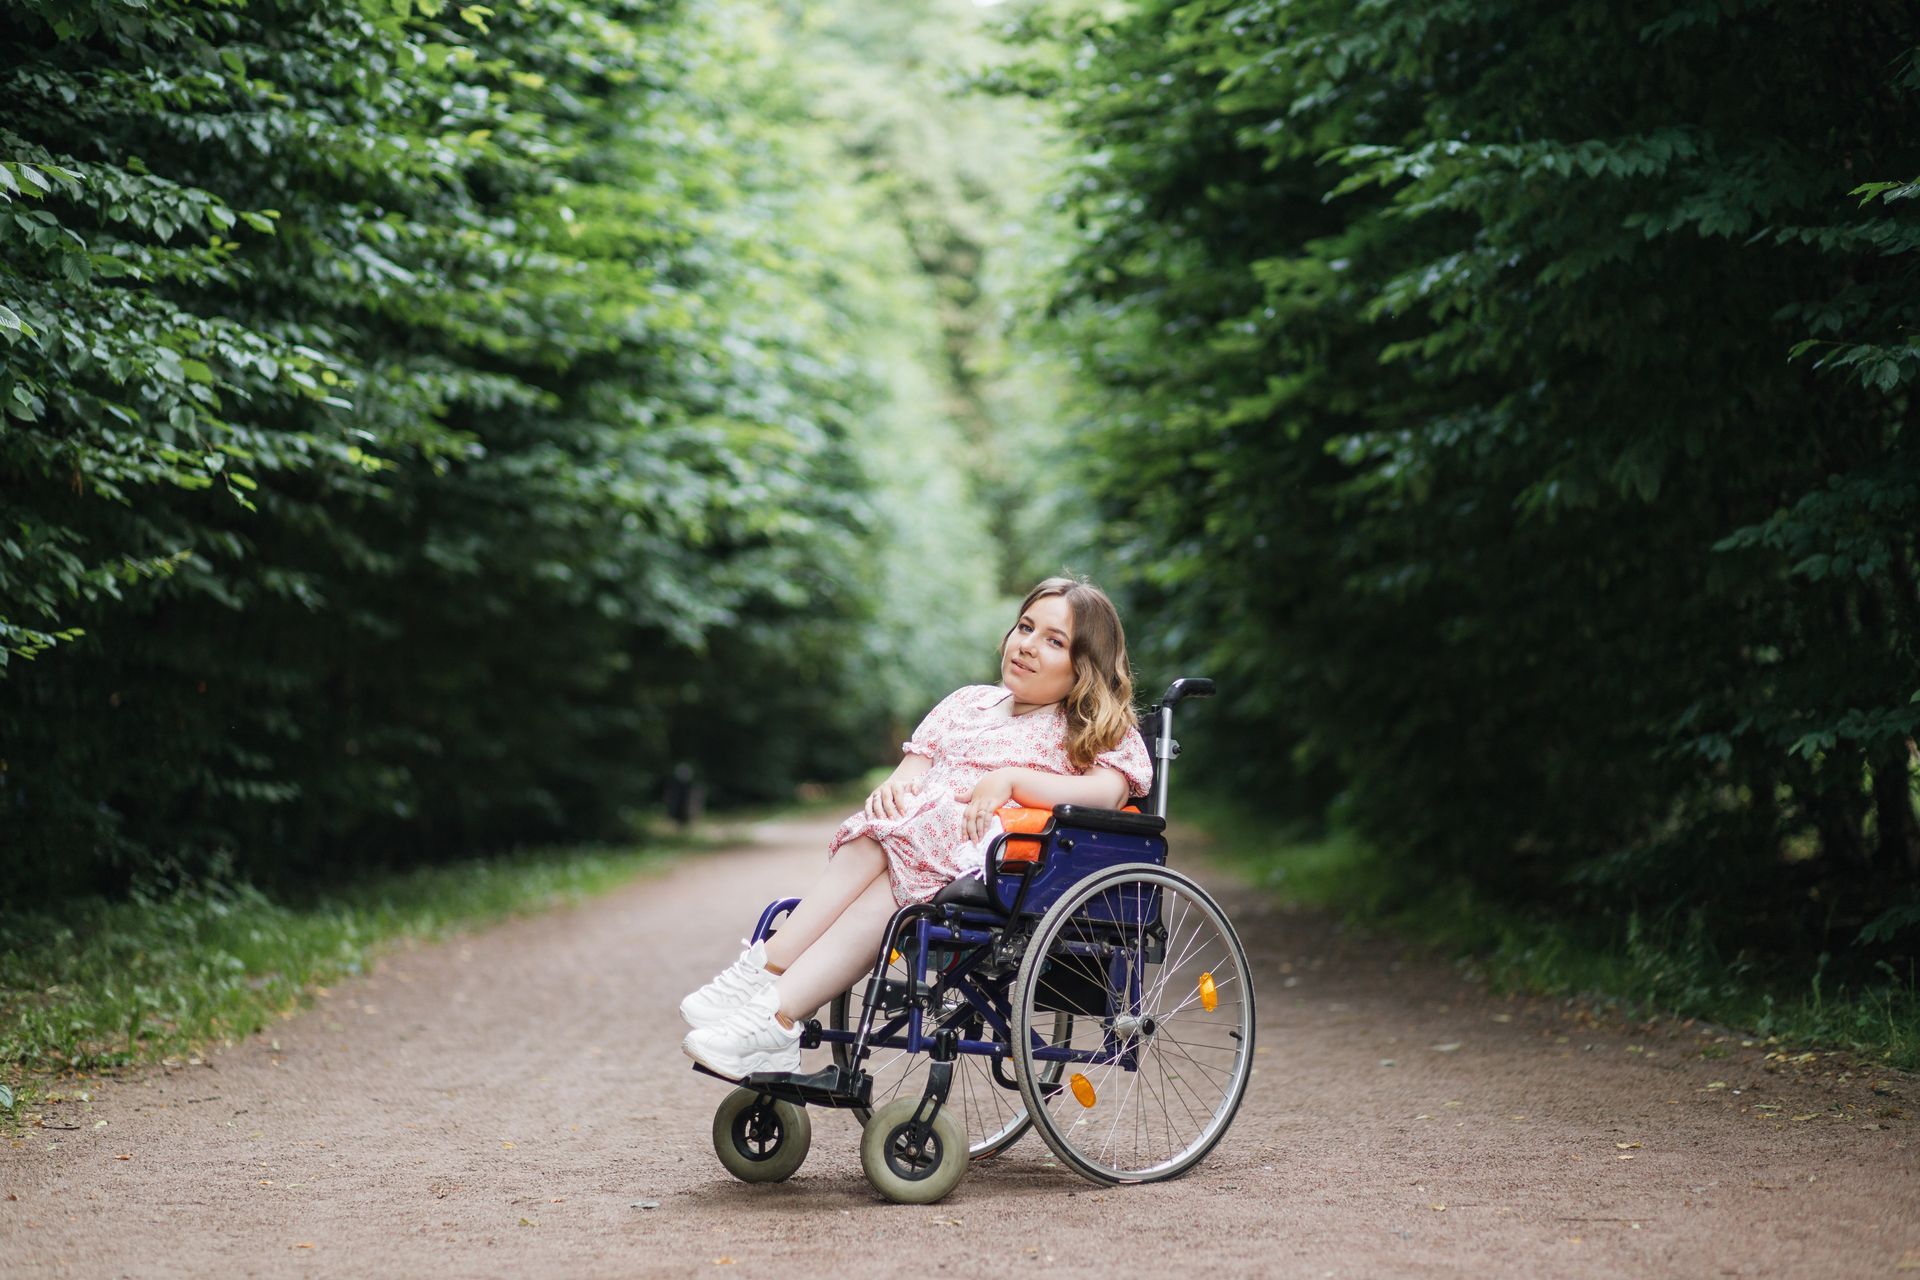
1057	729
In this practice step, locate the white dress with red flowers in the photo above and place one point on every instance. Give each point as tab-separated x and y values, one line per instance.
967	736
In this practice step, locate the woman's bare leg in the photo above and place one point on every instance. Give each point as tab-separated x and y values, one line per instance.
848	874
844	953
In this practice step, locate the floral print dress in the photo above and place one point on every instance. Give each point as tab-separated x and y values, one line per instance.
968	736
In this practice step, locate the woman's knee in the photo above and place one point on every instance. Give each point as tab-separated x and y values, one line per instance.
866	854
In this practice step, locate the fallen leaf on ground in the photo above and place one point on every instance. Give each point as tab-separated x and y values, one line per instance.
1448	1047
1438	1208
1627	1146
302	1244
1811	1115
723	1262
128	1156
506	1146
1718	1084
1909	1261
646	1204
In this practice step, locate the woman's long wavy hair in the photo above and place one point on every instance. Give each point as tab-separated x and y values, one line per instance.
1099	706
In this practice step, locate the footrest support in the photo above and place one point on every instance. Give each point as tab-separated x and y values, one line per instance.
833	1087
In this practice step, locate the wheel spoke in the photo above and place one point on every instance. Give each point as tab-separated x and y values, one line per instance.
1188	1065
992	1120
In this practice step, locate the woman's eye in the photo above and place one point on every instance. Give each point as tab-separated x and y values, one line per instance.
1055	642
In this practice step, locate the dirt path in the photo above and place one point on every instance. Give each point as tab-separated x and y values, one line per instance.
503	1104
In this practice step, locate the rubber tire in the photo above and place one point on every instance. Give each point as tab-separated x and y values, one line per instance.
1056	919
950	1140
779	1164
980	1146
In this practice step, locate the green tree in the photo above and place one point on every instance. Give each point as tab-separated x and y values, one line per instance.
413	412
1509	403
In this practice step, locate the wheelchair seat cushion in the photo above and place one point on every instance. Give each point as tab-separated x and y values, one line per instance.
967	891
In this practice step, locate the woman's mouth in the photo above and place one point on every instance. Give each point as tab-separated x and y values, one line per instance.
1020	666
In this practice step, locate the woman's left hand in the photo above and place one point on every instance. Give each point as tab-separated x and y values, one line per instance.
993	790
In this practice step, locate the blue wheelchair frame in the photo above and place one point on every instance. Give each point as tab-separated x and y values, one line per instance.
1077	842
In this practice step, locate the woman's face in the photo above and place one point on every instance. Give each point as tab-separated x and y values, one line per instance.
1036	662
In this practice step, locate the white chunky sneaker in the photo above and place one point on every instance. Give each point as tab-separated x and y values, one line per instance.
738	983
751	1040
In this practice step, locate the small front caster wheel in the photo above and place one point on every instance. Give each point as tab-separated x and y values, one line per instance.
759	1139
903	1173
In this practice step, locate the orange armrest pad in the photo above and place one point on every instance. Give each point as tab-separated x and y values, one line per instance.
1019	821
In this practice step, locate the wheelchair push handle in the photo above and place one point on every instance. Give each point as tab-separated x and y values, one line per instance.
1158	727
1186	687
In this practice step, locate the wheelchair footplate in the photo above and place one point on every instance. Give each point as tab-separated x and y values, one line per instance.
836	1086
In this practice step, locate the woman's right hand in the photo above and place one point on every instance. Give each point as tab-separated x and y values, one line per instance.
889	799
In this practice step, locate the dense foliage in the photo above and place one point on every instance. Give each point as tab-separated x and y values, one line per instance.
424	425
1512	404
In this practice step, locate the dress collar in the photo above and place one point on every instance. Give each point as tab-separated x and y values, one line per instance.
994	694
991	695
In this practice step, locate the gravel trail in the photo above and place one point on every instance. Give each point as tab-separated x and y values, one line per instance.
504	1103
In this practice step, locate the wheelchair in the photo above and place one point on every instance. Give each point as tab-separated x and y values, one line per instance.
1078	986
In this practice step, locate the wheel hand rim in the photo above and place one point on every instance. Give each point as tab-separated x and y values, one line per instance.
1188	1074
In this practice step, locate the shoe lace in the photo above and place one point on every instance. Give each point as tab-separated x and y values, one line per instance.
735	979
753	1025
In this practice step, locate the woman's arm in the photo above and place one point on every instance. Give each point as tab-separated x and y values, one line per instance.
911	768
1099	787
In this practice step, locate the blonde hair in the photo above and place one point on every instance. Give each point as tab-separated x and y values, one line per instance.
1099	706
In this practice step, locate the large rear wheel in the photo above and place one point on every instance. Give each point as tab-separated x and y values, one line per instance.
1158	1044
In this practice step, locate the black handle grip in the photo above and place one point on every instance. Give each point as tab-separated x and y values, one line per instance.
1187	687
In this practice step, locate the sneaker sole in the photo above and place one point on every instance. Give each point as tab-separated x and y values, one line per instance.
740	1068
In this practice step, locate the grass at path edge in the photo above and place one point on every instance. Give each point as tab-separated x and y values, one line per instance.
1645	967
91	985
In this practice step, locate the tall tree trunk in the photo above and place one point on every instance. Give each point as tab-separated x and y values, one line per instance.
1893	807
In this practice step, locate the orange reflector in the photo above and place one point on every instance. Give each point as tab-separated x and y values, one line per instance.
1082	1089
893	957
1209	994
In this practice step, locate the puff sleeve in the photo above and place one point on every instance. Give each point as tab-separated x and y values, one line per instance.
1133	762
927	738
